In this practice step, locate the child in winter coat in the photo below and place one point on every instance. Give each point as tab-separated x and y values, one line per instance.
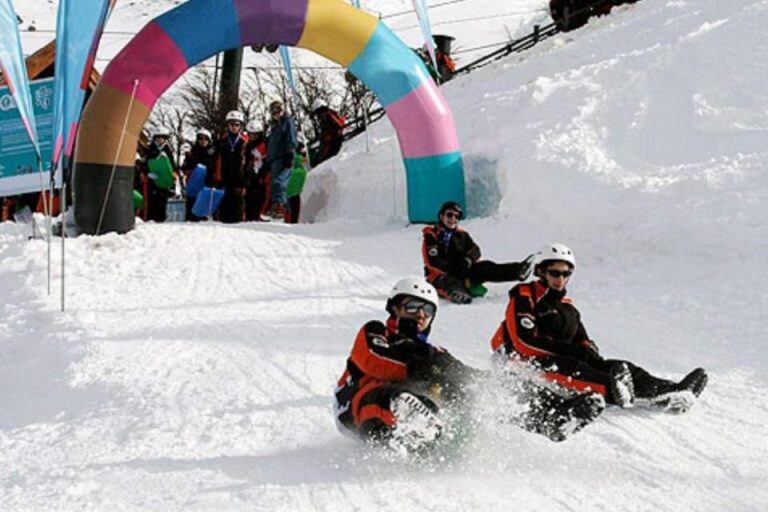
296	184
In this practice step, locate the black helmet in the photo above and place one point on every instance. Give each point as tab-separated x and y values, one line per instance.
451	205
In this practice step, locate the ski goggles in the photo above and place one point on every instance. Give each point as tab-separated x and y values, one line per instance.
450	214
560	273
412	306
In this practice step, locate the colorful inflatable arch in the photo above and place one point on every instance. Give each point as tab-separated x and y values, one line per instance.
197	30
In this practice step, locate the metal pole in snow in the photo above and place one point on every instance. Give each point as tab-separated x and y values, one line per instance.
63	236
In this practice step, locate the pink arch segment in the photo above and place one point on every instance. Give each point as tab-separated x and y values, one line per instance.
423	122
135	62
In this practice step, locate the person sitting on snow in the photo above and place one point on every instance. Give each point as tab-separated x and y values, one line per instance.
543	327
452	259
387	394
391	368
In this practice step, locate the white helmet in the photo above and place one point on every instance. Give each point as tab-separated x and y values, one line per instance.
202	132
235	115
413	287
252	127
318	104
556	252
161	131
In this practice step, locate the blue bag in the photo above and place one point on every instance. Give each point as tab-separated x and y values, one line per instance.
196	181
207	202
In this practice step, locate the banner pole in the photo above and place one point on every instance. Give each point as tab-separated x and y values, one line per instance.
63	235
47	213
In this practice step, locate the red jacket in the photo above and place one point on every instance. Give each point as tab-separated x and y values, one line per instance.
380	355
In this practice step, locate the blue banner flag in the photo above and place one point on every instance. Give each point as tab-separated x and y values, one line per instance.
15	70
19	168
426	28
286	56
79	26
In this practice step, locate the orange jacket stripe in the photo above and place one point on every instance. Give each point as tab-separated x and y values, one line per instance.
373	364
364	389
575	384
510	325
373	411
432	272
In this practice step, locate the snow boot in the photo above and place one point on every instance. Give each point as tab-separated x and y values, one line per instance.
694	382
621	387
417	426
679	397
459	296
580	411
557	417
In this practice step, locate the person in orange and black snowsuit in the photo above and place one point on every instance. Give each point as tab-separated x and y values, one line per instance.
543	327
392	367
202	153
229	170
452	259
331	132
446	66
257	174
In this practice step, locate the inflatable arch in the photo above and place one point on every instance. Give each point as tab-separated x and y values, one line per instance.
198	29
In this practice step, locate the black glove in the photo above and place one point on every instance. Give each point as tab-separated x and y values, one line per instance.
288	160
432	365
421	367
460	296
408	327
453	376
526	267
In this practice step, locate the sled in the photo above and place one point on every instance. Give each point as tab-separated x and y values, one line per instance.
196	181
138	200
161	168
207	202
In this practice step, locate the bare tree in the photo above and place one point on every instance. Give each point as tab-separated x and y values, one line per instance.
172	117
196	104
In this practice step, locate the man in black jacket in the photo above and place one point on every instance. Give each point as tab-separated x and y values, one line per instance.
281	147
230	168
452	259
542	327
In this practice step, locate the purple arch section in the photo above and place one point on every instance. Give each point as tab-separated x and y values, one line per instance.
271	21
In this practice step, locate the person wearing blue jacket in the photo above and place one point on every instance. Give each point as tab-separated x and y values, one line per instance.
281	147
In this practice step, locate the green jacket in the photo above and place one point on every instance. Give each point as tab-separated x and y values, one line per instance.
298	177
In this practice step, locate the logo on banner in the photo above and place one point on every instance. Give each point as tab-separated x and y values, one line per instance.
7	103
43	97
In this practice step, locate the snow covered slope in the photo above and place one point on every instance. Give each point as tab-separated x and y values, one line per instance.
195	366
